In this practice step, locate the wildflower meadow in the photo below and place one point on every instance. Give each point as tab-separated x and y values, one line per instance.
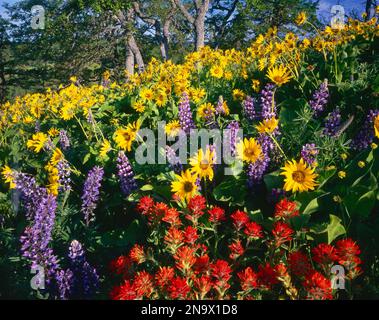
231	173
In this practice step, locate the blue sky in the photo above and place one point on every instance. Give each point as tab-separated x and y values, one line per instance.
324	6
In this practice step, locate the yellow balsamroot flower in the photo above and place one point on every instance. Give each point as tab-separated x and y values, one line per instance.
160	98
301	18
146	94
205	111
105	148
53	132
267	126
56	157
197	94
279	75
138	106
238	94
7	174
202	164
217	72
53	185
342	174
376	126
249	150
124	138
361	164
255	85
298	176
344	156
172	128
374	146
37	142
184	185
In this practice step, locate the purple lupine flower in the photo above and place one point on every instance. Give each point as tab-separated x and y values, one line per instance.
332	123
49	145
85	277
220	106
248	108
256	170
367	134
91	192
185	114
64	172
268	104
309	153
319	99
125	174
64	141
37	126
64	282
31	193
173	160
36	238
233	127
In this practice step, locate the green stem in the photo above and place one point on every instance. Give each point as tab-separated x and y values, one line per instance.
277	144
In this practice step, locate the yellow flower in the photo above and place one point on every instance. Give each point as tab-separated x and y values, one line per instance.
249	150
8	177
56	157
376	126
361	164
53	132
337	199
124	138
202	164
138	106
217	72
238	94
146	94
306	43
374	145
105	148
341	174
184	185
255	85
205	111
37	142
279	75
268	125
298	176
301	18
343	156
161	99
172	128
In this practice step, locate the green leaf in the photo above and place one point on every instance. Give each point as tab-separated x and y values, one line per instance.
335	228
86	158
228	191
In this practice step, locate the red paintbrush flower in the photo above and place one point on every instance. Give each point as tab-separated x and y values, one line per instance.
248	279
282	233
324	254
216	214
190	235
137	254
196	205
125	291
178	288
203	285
347	248
174	237
221	271
299	264
286	209
145	205
185	258
202	264
267	276
253	230
164	276
236	249
143	284
318	287
160	210
172	217
240	218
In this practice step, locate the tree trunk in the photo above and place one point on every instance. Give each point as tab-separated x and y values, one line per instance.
137	53
199	34
369	5
129	62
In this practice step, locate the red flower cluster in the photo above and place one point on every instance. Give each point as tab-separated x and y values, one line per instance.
286	209
190	248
